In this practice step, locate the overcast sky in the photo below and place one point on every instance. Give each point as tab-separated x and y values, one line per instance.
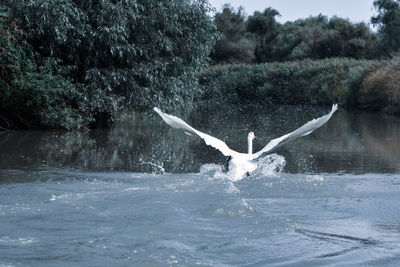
290	10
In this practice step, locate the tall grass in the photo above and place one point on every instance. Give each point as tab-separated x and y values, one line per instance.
319	82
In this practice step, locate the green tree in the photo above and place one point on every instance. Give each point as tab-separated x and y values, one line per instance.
126	53
235	44
388	23
34	90
351	40
318	38
267	40
265	27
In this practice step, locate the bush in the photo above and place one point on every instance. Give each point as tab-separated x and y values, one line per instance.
381	88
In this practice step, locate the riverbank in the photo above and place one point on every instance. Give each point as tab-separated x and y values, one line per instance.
356	84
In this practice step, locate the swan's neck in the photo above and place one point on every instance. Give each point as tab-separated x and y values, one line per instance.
250	145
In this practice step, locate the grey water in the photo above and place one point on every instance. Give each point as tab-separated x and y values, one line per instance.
143	194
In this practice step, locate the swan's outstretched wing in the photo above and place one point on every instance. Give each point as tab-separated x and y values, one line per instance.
177	123
304	130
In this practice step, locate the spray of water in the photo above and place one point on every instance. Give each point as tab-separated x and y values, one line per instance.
157	168
269	166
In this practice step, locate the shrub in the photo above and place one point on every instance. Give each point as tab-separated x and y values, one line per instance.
381	88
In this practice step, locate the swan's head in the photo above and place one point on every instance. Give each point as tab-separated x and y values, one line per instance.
251	136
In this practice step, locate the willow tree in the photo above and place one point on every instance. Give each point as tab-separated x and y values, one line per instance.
125	53
35	90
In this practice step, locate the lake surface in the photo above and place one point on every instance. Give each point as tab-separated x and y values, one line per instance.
143	194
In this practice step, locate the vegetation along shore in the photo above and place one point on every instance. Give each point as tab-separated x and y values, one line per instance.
81	64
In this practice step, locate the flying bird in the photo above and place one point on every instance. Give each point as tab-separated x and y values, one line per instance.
242	164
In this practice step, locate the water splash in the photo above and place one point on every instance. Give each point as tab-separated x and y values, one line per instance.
270	165
212	170
156	168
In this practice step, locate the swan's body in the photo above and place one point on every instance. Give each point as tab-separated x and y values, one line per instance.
244	163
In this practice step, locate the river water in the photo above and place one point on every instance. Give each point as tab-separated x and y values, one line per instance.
143	194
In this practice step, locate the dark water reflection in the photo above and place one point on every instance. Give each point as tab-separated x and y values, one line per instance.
351	142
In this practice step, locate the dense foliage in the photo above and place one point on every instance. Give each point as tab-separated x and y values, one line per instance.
380	90
297	82
117	54
318	38
261	38
35	90
322	60
75	64
235	44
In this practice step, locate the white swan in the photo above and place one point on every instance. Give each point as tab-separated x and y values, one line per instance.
243	163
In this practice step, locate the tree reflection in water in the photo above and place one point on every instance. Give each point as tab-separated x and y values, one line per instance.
349	142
